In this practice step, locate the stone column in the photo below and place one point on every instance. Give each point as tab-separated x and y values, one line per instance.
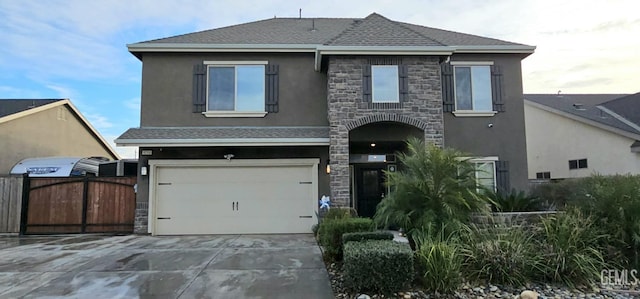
339	156
141	217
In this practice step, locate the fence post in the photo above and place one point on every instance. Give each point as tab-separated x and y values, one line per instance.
26	188
85	203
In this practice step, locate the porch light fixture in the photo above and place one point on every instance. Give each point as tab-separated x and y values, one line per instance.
373	145
328	166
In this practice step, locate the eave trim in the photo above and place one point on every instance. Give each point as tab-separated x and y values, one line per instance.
224	142
189	47
320	50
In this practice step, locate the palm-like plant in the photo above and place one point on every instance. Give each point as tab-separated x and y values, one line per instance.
515	201
435	187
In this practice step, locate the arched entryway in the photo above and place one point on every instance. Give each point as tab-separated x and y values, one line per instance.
372	150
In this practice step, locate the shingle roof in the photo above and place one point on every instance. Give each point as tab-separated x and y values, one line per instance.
11	106
627	107
194	134
583	106
374	30
269	31
452	38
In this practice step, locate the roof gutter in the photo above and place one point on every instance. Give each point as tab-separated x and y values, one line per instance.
515	49
224	142
138	48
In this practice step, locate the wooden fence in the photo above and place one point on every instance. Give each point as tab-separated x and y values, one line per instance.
10	203
78	205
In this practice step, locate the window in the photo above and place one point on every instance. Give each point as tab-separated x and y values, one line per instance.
385	87
582	163
543	175
578	164
485	172
385	83
473	88
235	88
238	88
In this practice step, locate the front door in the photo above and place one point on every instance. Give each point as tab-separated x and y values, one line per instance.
371	190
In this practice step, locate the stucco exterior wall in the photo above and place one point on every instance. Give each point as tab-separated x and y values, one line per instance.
506	137
553	140
347	110
334	98
167	91
52	132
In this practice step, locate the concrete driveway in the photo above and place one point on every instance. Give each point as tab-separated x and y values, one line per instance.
230	266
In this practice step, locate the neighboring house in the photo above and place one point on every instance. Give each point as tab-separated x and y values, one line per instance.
577	135
35	128
244	128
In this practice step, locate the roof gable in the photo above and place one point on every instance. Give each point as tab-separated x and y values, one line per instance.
57	103
11	106
376	30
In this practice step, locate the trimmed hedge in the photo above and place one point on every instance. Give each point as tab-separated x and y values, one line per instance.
337	213
377	265
363	236
331	231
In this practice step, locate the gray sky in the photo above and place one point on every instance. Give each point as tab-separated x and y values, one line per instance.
77	49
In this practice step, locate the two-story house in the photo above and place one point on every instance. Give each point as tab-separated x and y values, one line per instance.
244	128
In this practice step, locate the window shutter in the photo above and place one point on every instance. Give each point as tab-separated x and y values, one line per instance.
366	83
199	88
496	88
403	77
271	88
448	98
502	176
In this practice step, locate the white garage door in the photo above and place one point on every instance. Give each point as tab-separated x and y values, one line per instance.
235	197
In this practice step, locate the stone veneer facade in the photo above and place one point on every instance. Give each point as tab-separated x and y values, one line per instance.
347	110
141	220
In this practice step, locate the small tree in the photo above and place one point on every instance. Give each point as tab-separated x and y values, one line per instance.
435	187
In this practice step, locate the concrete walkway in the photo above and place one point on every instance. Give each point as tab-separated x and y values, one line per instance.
232	266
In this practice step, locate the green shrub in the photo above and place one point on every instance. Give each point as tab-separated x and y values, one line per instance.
314	229
378	266
362	236
502	255
515	201
556	194
571	250
614	203
331	231
435	187
438	259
